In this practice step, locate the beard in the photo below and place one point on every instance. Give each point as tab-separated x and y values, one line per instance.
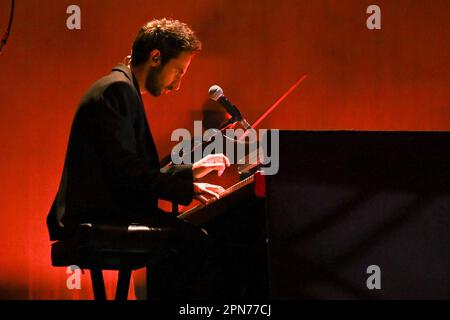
152	82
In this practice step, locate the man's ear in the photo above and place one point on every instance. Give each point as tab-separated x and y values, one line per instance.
155	58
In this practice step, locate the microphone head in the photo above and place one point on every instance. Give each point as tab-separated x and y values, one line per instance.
215	92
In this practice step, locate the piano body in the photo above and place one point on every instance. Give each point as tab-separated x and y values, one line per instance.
341	203
237	222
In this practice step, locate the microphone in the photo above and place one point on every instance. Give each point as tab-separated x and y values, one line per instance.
216	94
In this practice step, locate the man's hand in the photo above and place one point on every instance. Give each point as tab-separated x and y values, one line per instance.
218	162
203	190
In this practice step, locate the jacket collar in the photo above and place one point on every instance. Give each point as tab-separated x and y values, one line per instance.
129	74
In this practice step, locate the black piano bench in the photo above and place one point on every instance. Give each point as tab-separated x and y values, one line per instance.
113	247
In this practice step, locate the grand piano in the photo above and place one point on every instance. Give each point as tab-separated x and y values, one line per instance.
341	203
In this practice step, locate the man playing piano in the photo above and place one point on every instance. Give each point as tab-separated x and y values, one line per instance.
112	172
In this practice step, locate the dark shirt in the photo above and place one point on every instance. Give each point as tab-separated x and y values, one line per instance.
112	171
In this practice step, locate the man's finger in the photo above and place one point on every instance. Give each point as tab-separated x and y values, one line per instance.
221	189
227	161
212	193
215	188
203	199
223	158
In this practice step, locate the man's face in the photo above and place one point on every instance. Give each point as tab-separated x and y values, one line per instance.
163	79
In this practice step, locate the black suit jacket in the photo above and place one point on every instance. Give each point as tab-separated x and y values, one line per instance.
111	171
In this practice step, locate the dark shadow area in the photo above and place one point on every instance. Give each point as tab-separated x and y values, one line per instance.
343	201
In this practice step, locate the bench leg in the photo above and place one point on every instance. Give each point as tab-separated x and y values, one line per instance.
123	284
98	285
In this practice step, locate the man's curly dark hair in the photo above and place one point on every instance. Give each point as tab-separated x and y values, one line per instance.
170	37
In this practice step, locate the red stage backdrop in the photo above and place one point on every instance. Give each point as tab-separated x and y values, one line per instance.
396	78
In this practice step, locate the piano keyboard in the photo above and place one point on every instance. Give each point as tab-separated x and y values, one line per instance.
230	190
231	196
